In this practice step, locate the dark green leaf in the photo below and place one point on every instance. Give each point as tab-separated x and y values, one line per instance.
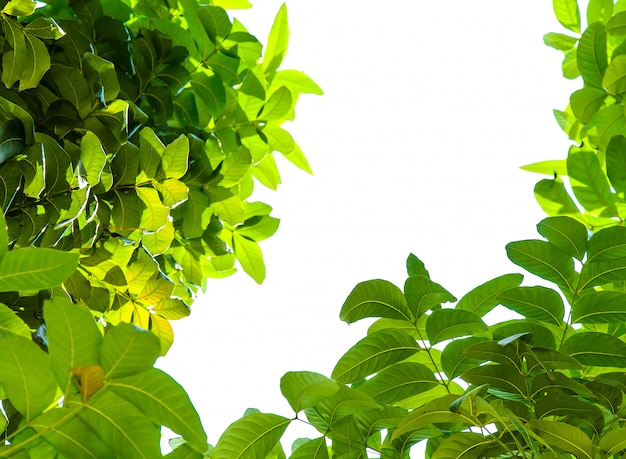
484	298
497	376
602	272
600	308
544	260
607	244
454	362
616	163
444	324
596	349
398	382
617	24
564	437
540	303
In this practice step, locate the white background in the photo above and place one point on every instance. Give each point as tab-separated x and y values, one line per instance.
430	107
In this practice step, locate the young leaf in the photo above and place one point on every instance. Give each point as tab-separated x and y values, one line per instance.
444	324
276	42
375	298
374	353
303	389
35	268
249	254
555	200
544	260
567	13
497	376
251	436
484	298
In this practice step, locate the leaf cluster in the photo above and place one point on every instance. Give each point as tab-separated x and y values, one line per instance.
132	135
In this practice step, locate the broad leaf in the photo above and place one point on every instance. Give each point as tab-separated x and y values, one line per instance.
540	303
600	308
127	350
596	349
398	382
616	162
249	254
73	338
586	102
423	294
565	233
276	42
462	444
497	376
544	260
607	244
26	375
164	401
34	268
375	298
303	389
484	298
564	437
251	437
589	182
374	353
311	449
567	13
11	323
592	55
444	324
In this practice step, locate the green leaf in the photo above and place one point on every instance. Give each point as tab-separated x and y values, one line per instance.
422	294
484	298
544	260
504	353
165	402
559	41
398	382
375	298
251	437
154	215
454	362
210	91
589	182
415	267
462	444
554	199
599	10
36	62
616	163
235	167
227	205
73	339
297	82
587	101
127	350
45	28
607	244
565	405
565	233
233	4
497	376
93	158
278	105
566	119
374	353
600	307
567	14
119	424
615	77
259	228
19	7
602	272
617	24
613	442
250	257
34	268
13	60
126	213
606	123
276	42
71	86
592	55
303	389
564	437
596	349
101	73
26	375
539	303
540	336
444	324
551	359
11	323
311	449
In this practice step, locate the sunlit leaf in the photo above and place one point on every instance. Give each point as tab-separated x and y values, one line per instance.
600	308
375	298
444	324
127	350
484	298
540	303
567	13
374	353
35	268
251	437
565	233
592	55
303	389
276	47
422	294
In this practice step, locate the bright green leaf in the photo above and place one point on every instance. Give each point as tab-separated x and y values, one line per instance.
375	298
251	437
303	389
484	298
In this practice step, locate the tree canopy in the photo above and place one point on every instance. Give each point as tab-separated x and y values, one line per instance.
132	134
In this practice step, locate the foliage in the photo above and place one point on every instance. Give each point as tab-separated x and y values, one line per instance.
132	133
549	382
